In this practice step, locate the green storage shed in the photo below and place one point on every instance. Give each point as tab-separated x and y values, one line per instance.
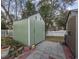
29	31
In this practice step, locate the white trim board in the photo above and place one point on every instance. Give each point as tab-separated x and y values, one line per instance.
28	32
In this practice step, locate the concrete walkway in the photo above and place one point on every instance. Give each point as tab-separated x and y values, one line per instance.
48	49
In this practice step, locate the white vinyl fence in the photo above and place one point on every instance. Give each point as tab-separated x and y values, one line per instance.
5	33
57	33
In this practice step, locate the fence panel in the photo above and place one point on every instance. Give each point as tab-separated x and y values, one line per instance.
5	33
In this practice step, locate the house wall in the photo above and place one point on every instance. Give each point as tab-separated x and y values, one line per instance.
71	28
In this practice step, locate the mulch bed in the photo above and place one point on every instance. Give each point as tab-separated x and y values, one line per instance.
68	53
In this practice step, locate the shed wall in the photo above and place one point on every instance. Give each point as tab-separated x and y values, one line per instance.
30	31
21	31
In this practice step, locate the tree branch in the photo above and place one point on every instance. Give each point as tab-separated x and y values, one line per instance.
7	13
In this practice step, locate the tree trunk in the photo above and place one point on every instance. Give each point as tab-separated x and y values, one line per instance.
7	13
16	9
67	19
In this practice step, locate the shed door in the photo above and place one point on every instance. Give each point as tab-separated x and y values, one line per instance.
39	31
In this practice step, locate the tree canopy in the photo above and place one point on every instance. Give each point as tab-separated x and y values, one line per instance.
28	10
48	9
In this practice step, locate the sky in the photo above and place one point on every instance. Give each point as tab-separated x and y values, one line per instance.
74	5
